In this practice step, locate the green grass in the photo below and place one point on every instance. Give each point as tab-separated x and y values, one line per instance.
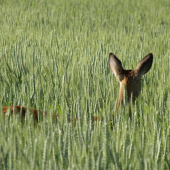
54	57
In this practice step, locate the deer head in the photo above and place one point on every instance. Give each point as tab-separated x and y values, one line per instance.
130	79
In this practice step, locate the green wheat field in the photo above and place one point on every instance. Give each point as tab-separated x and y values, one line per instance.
54	57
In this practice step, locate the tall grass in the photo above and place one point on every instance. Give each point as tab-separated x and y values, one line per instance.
54	57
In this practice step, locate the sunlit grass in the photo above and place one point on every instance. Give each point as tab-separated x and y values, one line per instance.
54	57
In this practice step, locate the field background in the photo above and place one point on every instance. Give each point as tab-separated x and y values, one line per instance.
54	57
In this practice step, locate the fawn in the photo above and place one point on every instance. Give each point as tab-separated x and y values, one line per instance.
131	79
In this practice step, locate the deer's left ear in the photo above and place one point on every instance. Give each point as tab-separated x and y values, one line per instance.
116	67
144	65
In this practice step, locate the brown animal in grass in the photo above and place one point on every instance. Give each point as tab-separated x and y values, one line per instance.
130	79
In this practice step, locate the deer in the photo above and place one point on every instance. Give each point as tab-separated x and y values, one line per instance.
130	79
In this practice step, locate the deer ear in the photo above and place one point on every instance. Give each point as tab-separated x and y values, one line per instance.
116	67
145	64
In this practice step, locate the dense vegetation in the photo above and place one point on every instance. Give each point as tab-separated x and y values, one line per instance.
54	57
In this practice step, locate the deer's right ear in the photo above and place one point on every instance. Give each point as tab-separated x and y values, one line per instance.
145	64
116	67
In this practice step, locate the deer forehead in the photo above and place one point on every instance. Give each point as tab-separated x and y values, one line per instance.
131	78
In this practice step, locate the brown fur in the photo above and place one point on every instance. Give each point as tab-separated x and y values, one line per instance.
130	79
22	110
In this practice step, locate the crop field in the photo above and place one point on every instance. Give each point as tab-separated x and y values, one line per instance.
54	57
